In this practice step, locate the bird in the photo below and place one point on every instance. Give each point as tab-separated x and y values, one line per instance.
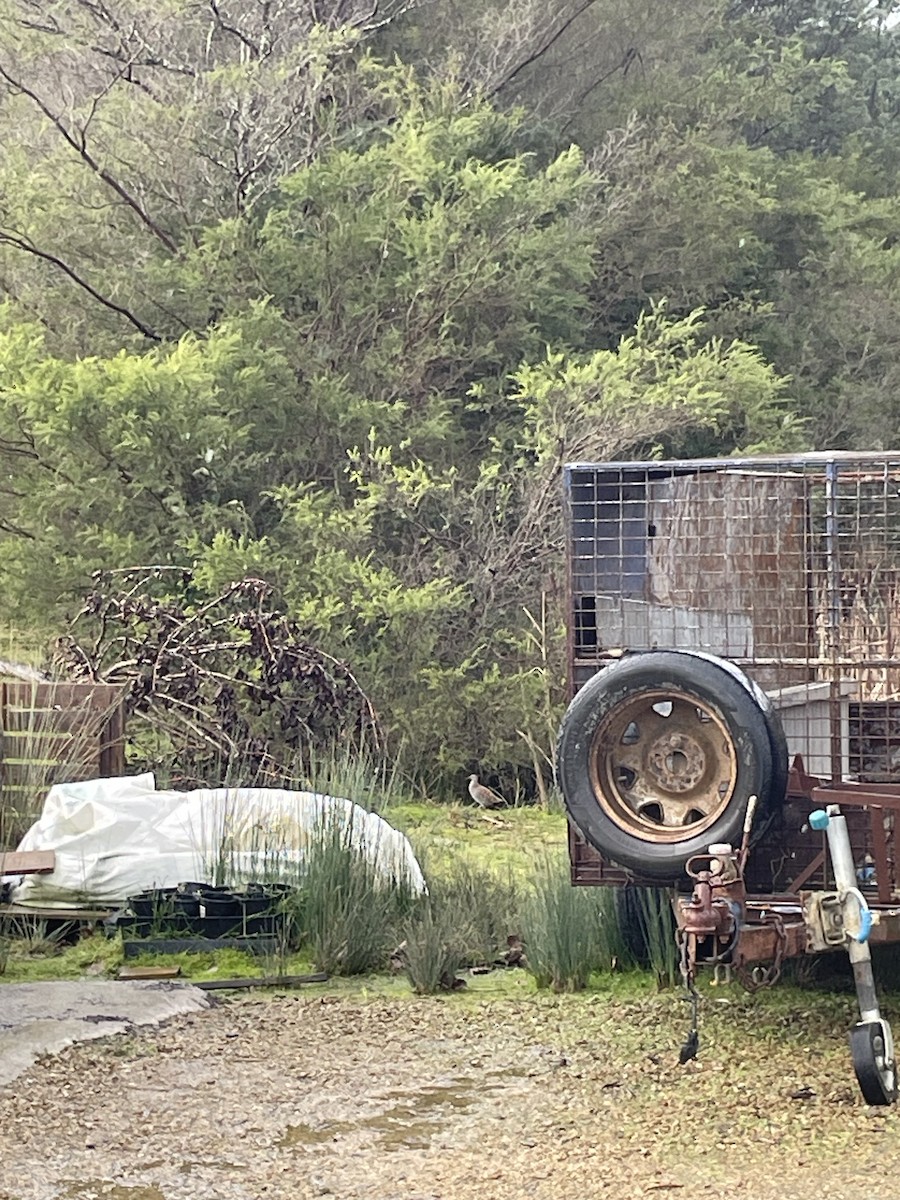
483	796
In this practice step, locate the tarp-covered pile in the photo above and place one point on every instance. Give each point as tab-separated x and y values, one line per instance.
114	838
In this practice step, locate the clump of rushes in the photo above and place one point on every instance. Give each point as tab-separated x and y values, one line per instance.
658	929
432	950
483	904
568	931
349	913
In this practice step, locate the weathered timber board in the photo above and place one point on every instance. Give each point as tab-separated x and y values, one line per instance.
27	862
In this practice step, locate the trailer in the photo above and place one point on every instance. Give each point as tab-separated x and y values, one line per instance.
733	731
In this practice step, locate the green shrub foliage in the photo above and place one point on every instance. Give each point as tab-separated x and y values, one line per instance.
342	336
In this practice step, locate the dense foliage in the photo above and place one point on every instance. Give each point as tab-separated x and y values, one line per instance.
327	303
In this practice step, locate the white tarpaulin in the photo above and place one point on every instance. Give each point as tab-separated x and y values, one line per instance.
114	838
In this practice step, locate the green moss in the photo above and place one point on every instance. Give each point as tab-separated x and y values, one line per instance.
33	959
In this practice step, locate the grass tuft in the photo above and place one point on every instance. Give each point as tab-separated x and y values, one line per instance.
567	935
432	946
349	914
657	923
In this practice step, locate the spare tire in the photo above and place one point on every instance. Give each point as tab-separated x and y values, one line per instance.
659	754
777	739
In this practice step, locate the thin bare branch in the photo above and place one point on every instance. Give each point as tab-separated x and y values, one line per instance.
541	50
79	146
24	245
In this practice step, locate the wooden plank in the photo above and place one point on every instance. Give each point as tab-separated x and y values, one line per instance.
112	743
259	982
49	913
59	722
148	972
27	862
27	766
56	733
54	695
31	772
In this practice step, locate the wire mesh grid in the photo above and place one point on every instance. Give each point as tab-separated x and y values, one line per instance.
789	567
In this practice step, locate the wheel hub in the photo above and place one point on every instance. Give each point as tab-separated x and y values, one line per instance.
663	765
678	762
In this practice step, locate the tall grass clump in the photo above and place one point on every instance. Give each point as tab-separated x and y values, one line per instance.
658	923
353	772
569	932
647	928
466	919
485	905
350	914
433	946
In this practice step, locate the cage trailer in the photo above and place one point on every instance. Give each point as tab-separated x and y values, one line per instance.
733	731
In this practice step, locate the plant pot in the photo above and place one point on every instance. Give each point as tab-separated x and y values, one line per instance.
166	911
221	913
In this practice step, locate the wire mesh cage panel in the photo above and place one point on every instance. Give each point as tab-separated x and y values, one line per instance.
787	566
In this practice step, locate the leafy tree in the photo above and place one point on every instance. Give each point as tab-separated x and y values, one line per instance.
355	370
133	129
383	446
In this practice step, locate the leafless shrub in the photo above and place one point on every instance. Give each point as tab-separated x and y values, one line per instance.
228	683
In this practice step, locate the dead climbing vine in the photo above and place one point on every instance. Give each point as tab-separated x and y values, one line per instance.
229	684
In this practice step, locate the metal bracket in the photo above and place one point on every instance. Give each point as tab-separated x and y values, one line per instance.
823	915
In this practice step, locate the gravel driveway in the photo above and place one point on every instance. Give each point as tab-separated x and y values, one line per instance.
481	1095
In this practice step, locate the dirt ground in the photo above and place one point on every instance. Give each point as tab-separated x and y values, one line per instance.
485	1094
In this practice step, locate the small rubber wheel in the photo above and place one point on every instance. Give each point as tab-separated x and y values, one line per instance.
872	1050
658	755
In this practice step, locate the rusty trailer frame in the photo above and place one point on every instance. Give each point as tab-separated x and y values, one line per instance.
787	570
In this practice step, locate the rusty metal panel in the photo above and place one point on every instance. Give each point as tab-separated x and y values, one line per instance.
728	548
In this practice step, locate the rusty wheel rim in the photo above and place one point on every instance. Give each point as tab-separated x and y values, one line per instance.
663	766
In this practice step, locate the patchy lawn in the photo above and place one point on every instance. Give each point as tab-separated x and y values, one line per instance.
506	839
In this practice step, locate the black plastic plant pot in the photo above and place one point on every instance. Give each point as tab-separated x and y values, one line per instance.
142	905
222	914
166	910
255	910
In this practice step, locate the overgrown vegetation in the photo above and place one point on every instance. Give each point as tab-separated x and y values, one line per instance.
224	689
495	900
344	346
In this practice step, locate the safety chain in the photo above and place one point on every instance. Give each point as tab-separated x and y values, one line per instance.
692	1042
758	977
